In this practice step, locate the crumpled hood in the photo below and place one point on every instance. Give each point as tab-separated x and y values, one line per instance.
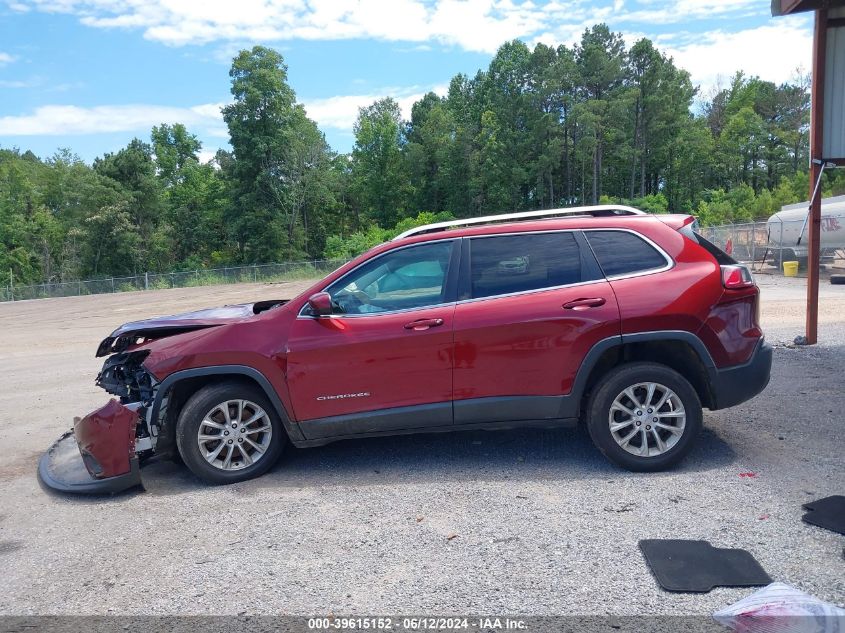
159	327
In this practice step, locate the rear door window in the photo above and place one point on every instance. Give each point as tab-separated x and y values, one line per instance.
624	253
505	264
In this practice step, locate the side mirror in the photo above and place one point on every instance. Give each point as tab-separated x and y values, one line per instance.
320	303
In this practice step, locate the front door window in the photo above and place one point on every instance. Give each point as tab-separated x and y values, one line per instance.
408	278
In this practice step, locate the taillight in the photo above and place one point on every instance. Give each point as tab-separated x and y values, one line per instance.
736	276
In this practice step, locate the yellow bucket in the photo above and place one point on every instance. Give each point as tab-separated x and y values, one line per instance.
790	269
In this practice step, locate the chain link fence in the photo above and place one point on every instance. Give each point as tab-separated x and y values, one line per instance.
264	273
751	243
745	242
761	244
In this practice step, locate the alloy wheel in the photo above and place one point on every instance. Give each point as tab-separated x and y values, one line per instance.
234	435
647	419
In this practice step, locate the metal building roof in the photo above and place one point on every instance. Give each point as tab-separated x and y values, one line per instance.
785	7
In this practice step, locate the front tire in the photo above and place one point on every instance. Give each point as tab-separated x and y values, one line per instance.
229	432
644	417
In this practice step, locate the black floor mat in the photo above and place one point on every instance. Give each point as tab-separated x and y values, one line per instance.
697	566
827	513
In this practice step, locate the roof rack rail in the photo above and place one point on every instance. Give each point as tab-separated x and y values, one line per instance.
599	210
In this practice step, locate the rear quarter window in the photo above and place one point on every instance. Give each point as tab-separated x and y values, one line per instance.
718	254
623	253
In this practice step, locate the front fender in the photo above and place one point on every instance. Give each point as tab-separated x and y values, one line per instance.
293	430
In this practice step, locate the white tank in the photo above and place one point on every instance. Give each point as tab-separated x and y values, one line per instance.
784	227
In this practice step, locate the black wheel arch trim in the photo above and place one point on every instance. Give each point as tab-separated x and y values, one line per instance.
293	430
674	335
579	385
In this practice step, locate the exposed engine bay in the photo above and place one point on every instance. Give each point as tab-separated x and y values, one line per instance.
124	376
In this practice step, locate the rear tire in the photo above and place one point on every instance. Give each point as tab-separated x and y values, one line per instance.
837	280
654	429
251	435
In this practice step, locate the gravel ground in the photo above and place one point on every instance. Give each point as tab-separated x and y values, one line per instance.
543	524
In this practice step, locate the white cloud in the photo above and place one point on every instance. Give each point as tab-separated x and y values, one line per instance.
37	81
478	25
209	110
71	120
19	83
339	112
475	25
675	11
772	52
207	154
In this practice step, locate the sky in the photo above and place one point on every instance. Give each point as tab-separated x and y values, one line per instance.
90	75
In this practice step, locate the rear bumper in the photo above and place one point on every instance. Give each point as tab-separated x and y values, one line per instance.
734	385
97	456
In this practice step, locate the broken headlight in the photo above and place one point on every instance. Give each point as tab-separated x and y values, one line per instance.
124	376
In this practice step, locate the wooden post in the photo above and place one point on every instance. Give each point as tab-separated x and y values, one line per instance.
816	166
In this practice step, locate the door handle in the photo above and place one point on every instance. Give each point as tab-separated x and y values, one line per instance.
583	304
423	324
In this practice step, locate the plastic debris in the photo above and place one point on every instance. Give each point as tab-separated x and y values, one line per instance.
781	608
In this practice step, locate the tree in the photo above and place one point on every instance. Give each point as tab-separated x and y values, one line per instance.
536	128
428	149
380	181
506	153
492	181
133	169
174	148
276	148
600	57
307	191
112	243
195	227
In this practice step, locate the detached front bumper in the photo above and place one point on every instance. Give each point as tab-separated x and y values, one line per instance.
97	456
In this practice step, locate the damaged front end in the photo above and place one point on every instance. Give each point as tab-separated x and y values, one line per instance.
103	451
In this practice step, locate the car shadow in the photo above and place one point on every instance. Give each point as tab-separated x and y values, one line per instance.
460	457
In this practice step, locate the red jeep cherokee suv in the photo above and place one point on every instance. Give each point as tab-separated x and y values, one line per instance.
627	321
